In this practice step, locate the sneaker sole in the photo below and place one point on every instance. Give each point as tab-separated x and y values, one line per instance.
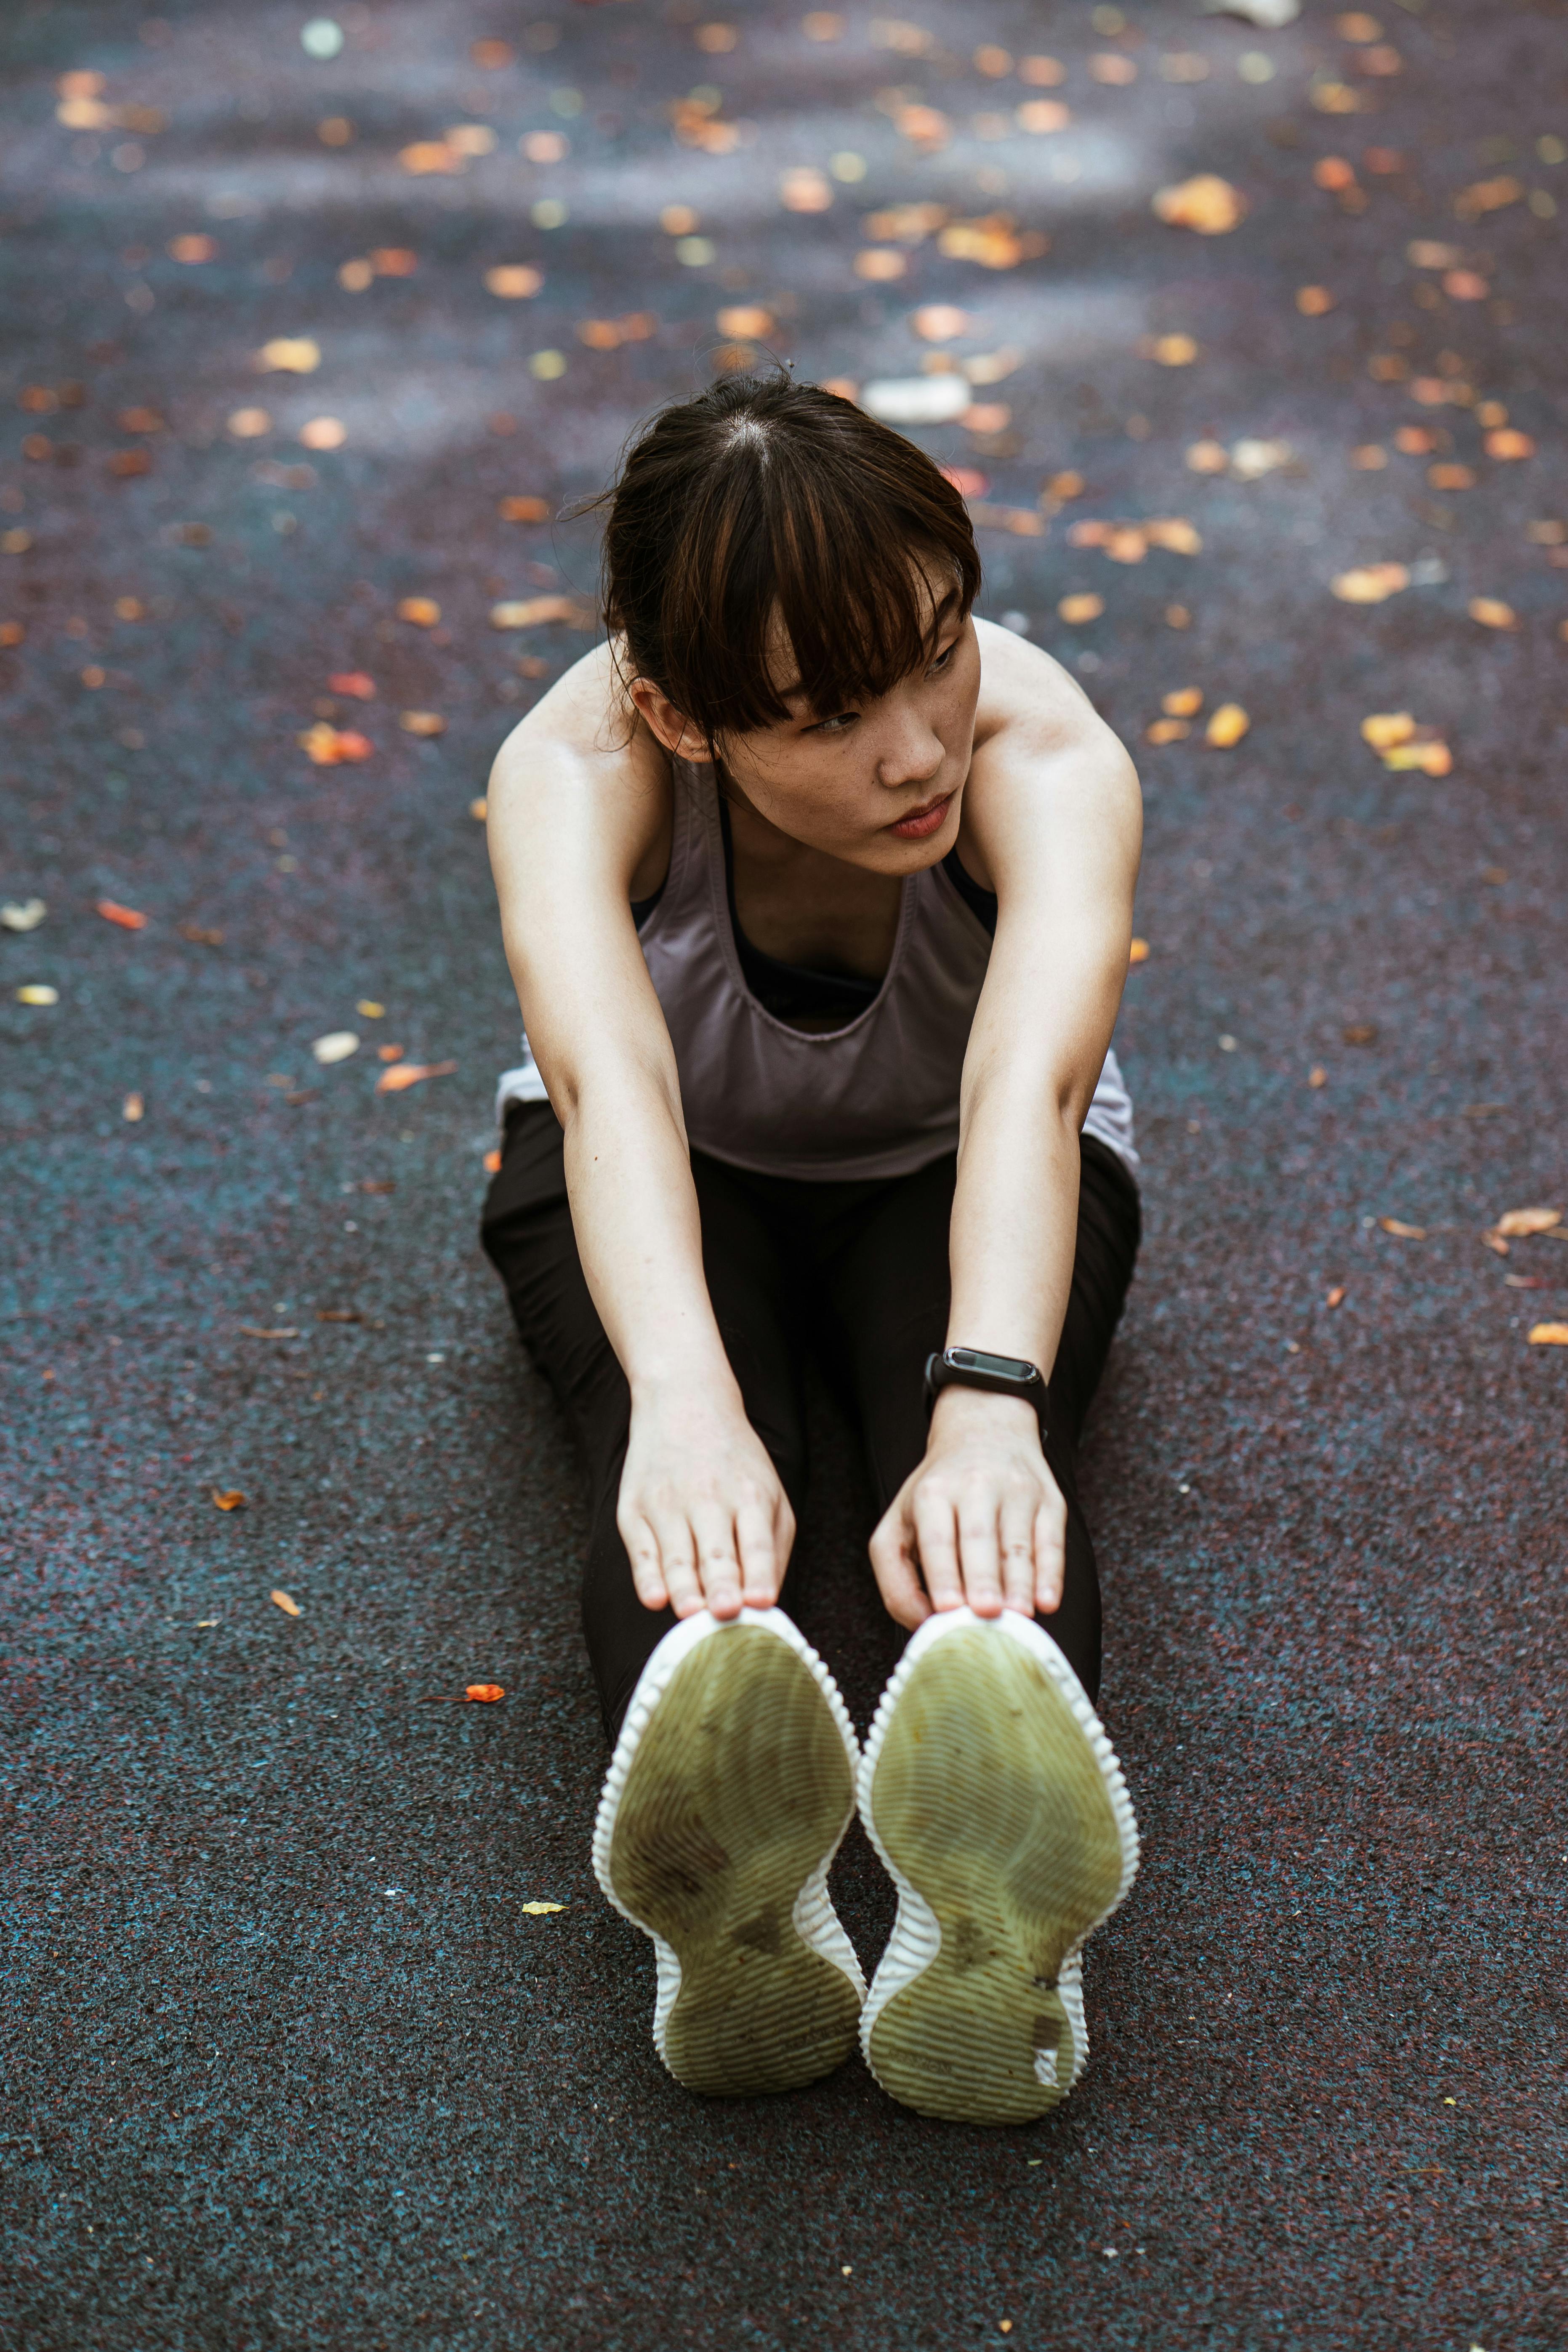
732	1783
993	1796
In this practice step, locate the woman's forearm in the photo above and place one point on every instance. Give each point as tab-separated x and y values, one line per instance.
634	1211
1014	1219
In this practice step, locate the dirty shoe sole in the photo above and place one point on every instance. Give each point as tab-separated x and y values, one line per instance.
733	1782
992	1794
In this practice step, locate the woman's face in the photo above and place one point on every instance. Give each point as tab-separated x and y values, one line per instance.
878	784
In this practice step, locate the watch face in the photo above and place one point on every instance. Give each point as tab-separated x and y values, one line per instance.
1002	1368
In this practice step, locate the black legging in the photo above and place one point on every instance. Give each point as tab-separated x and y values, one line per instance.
857	1268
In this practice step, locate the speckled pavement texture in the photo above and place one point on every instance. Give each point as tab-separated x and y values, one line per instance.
288	2063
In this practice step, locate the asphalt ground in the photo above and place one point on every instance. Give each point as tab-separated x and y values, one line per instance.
287	2061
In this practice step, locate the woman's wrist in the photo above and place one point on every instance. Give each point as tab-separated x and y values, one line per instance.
967	1412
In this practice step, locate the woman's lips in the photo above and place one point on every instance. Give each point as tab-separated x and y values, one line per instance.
922	823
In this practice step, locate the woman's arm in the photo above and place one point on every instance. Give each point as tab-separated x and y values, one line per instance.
579	811
1052	815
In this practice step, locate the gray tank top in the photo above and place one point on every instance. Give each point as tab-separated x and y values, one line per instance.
877	1097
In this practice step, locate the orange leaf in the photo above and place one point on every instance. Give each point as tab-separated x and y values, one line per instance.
1518	1222
126	917
1226	727
1138	953
489	1692
1335	1295
228	1498
1405	1232
524	510
492	1163
402	1075
286	1601
423	611
1207	203
1076	609
1370	584
1186	702
421	722
1549	1335
352	682
1492	613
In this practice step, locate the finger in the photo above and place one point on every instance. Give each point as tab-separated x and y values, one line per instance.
979	1559
678	1559
1050	1553
717	1565
642	1550
757	1549
936	1546
1016	1537
893	1563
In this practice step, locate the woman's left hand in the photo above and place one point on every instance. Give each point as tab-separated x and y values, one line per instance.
979	1521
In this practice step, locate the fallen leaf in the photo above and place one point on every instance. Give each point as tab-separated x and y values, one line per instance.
537	1910
421	722
335	1046
1515	1224
1492	613
250	423
192	249
402	1075
1113	67
480	809
133	1109
377	1184
329	747
1076	609
1451	478
140	420
1384	728
1336	1296
1186	702
339	1314
804	189
1464	286
228	1498
513	282
1207	203
394	261
1549	1335
24	917
1405	1232
352	682
940	322
1226	727
1368	457
1138	953
12	633
1370	584
260	1331
424	156
323	433
1209	458
423	611
389	1053
1166	731
917	400
284	1601
532	611
1488	196
38	992
1317	1076
993	242
369	1009
1506	445
289	355
489	1692
525	510
745	319
1043	116
1174	350
1173	533
126	917
1360	1033
491	1163
1431	759
879	265
1313	301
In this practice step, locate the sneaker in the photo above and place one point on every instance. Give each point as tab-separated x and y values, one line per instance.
731	1785
992	1794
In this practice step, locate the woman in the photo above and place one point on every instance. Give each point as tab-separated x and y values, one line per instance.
817	893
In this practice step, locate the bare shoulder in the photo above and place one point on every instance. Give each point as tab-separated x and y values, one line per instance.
586	714
1028	697
580	784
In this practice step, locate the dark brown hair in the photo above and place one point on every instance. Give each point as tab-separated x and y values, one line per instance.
762	502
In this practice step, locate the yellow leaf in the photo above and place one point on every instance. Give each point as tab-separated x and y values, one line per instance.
286	1601
422	722
538	1910
228	1498
1174	350
1228	724
1207	203
1370	584
1405	1232
1384	728
1184	703
1549	1335
1076	609
368	1010
324	433
34	991
1209	458
1516	1223
289	355
532	611
1492	613
513	282
1167	731
133	1109
423	611
1313	301
1138	953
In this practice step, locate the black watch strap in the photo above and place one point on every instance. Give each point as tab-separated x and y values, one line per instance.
972	1368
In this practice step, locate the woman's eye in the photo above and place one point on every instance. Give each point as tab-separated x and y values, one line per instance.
941	660
844	718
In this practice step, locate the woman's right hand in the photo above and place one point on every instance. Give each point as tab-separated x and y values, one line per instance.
703	1516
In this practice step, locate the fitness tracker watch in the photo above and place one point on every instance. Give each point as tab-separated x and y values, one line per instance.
971	1368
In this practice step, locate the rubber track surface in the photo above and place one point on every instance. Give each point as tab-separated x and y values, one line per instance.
288	2063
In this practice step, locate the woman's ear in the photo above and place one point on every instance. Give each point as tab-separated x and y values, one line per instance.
674	730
